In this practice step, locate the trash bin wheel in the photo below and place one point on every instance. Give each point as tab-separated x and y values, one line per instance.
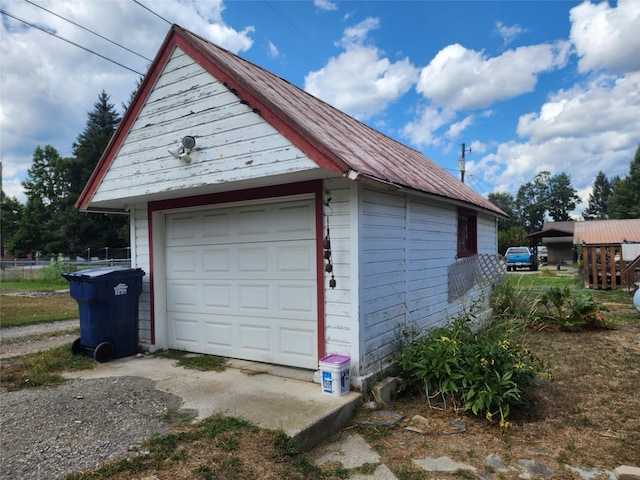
103	352
76	347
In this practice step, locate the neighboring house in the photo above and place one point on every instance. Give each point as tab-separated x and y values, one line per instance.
601	243
558	238
290	230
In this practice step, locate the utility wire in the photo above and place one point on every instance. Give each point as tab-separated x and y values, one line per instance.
88	30
156	14
68	41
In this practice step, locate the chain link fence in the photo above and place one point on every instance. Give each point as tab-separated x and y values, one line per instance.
25	269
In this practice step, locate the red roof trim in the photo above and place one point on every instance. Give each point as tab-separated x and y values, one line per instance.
125	125
177	38
267	110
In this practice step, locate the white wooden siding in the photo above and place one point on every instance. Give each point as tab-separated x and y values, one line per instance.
233	143
341	303
407	245
139	231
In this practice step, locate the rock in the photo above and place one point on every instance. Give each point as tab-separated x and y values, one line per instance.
442	464
418	424
533	469
626	472
458	425
370	406
381	418
495	462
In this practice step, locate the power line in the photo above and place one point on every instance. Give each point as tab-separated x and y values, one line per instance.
68	41
88	30
156	14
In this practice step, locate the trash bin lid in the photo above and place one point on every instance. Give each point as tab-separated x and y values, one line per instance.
105	271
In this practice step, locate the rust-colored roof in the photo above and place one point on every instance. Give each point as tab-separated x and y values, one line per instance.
554	229
607	232
331	138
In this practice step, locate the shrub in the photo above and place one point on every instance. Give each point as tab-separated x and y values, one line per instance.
570	311
482	371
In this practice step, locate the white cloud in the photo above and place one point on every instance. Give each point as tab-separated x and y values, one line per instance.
422	131
600	108
579	131
360	81
607	37
508	34
325	5
358	34
460	78
273	50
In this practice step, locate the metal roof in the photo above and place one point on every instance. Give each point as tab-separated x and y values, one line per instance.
362	149
331	138
607	232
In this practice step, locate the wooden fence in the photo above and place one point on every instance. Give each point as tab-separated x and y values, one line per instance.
603	267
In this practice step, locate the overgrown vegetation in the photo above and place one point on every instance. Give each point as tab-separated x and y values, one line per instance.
486	368
570	311
43	369
482	371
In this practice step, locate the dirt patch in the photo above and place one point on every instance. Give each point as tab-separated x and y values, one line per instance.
586	416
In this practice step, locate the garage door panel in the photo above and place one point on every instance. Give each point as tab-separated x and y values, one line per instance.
241	282
255	337
297	299
216	226
252	221
217	298
298	219
218	334
253	259
186	331
182	295
215	260
255	297
182	261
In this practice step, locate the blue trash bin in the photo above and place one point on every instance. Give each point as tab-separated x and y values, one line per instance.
108	303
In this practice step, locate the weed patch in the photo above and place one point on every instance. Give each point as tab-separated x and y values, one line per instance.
41	369
195	361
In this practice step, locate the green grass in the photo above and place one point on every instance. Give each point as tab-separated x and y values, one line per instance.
34	285
195	361
42	369
17	311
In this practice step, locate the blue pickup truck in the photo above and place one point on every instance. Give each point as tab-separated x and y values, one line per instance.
520	257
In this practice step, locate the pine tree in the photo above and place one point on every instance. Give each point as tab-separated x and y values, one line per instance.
598	198
88	147
625	199
96	230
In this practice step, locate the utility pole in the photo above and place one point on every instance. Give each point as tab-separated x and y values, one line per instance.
461	162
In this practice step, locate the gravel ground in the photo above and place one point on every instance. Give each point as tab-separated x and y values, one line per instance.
36	338
48	433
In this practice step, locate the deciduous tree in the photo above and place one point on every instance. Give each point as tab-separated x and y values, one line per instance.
563	198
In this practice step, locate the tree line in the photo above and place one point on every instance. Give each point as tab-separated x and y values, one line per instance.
549	197
48	224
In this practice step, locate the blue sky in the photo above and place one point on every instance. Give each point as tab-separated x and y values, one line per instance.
527	86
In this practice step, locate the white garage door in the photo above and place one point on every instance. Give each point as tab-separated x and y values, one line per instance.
241	282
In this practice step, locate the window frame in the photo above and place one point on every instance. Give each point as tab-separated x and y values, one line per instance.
467	233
